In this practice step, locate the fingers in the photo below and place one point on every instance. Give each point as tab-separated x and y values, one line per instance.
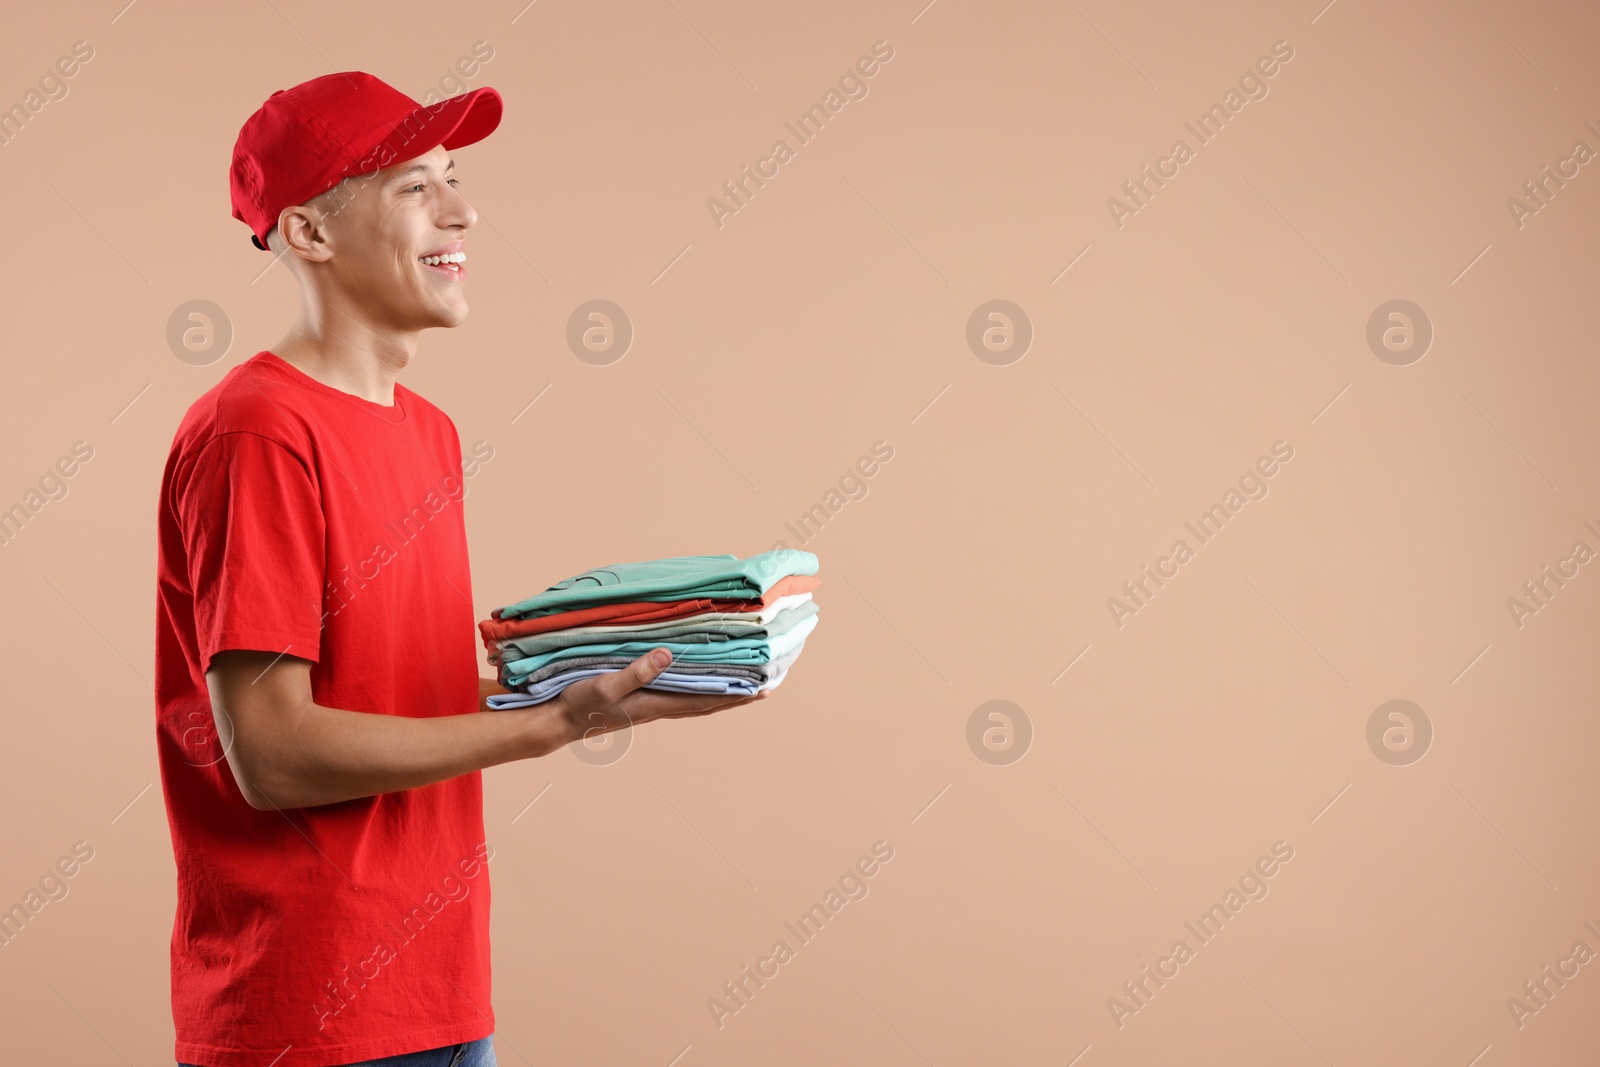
611	687
720	707
644	706
648	666
616	699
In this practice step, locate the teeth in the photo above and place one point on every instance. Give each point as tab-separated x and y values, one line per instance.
445	260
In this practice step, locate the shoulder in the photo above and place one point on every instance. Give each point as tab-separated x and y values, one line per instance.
250	399
425	411
429	420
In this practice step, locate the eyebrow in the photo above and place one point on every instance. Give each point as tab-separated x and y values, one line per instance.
415	167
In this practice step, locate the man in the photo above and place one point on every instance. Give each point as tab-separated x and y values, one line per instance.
318	704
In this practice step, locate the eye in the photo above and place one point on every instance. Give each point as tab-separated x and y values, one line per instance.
421	185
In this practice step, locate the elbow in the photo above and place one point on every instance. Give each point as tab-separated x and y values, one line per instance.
257	801
255	797
247	776
261	780
261	727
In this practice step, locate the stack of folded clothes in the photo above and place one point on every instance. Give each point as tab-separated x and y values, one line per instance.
733	625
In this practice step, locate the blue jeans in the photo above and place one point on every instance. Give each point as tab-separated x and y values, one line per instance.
478	1053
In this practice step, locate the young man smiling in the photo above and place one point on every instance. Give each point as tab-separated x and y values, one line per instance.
320	767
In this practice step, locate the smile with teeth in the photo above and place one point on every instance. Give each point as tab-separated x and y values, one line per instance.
449	259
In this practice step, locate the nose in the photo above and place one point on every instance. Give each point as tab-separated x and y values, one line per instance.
456	210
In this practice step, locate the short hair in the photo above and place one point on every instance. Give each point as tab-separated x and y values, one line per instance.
280	250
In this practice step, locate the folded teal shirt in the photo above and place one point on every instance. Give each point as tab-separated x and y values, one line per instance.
670	578
704	632
737	650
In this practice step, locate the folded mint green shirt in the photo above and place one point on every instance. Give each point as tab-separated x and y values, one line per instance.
737	650
669	578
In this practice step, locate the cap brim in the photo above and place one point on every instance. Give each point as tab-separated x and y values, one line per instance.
479	114
454	123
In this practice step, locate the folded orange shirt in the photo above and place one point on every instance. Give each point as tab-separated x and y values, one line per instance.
642	611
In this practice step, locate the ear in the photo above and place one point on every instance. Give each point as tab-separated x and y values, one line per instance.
304	228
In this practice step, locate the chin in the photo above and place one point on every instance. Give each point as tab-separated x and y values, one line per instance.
446	318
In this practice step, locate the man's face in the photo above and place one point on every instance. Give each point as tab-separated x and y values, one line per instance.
387	225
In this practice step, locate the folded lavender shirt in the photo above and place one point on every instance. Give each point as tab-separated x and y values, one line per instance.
669	680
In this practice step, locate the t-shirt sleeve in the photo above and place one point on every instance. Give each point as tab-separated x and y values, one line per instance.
253	531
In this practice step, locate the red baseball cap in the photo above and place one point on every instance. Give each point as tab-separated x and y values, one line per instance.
306	140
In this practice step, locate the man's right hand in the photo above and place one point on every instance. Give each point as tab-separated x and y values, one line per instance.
615	700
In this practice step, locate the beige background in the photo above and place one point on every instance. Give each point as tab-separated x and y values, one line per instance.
830	313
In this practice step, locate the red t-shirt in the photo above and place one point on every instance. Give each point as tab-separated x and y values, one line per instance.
299	519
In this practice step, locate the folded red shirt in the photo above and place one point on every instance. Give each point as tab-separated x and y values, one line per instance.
642	611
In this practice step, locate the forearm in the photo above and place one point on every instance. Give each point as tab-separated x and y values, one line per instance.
286	751
325	755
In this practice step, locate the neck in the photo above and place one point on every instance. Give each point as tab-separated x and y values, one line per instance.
348	354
